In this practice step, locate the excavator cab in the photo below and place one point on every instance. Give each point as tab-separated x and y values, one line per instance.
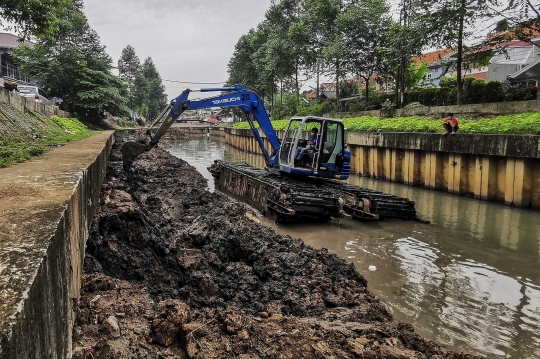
315	146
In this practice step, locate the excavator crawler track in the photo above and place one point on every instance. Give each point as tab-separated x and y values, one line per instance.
288	199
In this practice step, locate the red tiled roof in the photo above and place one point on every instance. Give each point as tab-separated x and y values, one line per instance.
10	40
311	95
431	57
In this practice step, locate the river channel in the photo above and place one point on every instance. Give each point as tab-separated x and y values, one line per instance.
469	281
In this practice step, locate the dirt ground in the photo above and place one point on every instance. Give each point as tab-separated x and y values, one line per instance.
174	271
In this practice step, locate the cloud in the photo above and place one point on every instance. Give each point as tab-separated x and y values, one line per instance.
188	40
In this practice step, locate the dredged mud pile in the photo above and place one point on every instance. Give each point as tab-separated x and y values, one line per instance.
174	271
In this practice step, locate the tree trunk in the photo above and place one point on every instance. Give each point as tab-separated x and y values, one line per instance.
367	89
280	95
460	53
337	85
318	85
272	101
396	90
402	81
297	87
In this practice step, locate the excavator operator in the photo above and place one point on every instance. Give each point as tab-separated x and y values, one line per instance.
313	142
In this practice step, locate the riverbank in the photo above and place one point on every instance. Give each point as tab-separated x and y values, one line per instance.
174	271
527	123
46	206
25	134
502	168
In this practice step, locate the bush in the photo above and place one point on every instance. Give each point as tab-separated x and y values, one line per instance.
519	93
414	105
448	82
474	91
319	109
493	92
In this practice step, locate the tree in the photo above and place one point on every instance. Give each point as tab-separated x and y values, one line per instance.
40	18
364	28
75	67
129	66
156	97
449	23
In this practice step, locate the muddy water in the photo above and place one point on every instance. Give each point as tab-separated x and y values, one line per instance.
470	280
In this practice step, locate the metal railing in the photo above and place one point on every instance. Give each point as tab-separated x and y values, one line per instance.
12	73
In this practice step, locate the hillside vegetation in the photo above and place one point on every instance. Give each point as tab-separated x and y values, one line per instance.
24	135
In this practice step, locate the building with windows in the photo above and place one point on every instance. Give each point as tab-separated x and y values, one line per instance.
9	72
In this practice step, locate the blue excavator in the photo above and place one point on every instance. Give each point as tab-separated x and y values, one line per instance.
326	156
298	184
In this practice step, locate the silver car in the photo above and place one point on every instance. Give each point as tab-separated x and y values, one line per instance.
36	93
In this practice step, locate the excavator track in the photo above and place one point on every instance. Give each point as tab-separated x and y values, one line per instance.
288	199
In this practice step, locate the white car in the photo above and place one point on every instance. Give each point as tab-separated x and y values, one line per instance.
34	92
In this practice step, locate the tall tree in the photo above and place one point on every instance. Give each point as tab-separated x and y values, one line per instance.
364	29
41	18
289	40
75	67
157	99
129	66
451	22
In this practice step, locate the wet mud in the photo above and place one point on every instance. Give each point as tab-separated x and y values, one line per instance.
174	271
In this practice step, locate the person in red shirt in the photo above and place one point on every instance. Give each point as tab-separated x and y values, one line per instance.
451	124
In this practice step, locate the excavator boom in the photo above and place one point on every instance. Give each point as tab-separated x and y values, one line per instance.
235	96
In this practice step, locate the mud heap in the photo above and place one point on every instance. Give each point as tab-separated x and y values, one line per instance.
174	271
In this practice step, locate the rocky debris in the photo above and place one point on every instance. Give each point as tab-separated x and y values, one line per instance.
112	325
185	274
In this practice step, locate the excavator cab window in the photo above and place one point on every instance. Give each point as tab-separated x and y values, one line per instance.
296	152
289	142
332	145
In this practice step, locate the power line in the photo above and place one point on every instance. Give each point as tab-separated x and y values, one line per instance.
196	83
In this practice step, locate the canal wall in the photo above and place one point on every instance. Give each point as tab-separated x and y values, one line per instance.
180	132
504	168
47	206
481	109
21	103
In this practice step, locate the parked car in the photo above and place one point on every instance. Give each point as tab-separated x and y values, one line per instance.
34	92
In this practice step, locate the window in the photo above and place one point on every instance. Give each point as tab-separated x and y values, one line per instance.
429	76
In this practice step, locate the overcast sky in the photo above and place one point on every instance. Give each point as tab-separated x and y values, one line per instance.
189	40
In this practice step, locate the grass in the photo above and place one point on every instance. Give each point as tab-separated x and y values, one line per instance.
61	131
525	123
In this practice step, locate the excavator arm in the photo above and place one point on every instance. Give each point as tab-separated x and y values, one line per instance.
235	96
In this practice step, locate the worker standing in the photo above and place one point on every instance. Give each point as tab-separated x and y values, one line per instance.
451	124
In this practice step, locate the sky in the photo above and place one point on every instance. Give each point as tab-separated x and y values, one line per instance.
189	40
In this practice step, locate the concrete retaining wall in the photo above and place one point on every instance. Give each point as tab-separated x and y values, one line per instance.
20	103
47	205
503	168
499	108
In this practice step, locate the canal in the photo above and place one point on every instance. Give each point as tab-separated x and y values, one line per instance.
469	281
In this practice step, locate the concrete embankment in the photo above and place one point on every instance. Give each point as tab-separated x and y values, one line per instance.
480	109
504	168
46	207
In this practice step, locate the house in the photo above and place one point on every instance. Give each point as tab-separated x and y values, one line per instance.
516	56
435	61
9	73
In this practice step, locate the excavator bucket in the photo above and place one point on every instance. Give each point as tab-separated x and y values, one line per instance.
131	150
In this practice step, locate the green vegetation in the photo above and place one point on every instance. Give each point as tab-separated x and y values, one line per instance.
56	131
525	124
309	40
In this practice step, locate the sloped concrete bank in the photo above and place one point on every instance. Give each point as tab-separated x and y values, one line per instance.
46	206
